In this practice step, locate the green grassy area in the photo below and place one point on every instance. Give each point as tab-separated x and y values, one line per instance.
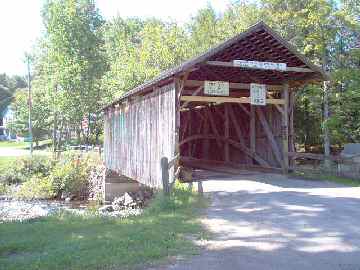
23	145
66	241
332	178
5	161
17	145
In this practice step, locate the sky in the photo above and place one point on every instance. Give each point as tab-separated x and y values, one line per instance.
21	24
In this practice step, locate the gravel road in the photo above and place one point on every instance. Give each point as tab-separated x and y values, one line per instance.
267	221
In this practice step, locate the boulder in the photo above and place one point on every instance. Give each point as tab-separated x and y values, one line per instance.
106	208
123	202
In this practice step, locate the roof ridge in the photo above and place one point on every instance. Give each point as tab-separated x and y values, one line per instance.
214	50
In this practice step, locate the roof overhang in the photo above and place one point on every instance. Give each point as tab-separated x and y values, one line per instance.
259	43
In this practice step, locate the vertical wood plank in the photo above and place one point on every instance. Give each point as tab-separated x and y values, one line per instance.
252	130
178	90
139	134
227	132
285	128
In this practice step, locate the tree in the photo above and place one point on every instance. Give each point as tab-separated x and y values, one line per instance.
139	50
8	86
40	114
74	59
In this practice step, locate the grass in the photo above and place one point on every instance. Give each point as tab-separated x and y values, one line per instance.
331	178
17	145
5	161
65	241
22	145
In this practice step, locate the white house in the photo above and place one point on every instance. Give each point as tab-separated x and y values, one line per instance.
7	118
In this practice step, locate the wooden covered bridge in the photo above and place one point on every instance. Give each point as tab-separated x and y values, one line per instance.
231	107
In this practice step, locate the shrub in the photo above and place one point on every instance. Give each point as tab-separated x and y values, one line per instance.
3	189
21	170
36	187
42	177
71	174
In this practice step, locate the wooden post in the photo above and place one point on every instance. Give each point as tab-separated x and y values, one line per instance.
190	145
285	128
206	143
291	126
227	133
200	188
252	130
165	175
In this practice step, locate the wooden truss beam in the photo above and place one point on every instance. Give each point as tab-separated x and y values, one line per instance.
230	141
270	136
231	64
244	86
227	99
223	167
245	149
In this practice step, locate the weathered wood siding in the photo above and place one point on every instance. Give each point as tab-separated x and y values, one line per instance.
139	133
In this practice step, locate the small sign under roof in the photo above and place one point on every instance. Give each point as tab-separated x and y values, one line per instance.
260	65
216	88
258	94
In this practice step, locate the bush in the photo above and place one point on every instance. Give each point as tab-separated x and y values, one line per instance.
3	189
42	177
71	175
21	170
36	188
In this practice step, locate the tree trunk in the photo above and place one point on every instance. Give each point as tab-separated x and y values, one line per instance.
325	124
306	126
55	133
326	135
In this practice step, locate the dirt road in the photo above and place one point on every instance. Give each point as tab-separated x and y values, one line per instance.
271	222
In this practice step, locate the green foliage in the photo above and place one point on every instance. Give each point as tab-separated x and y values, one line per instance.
3	188
22	169
106	243
37	187
71	174
139	50
82	62
180	197
8	86
40	114
323	176
42	177
70	63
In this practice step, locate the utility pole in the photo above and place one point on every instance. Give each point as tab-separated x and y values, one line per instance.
30	105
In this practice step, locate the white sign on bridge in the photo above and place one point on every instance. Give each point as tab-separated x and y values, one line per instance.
216	88
260	65
258	94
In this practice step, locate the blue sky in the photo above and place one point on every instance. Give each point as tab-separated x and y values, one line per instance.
21	25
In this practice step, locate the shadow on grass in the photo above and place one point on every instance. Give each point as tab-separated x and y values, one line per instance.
65	241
